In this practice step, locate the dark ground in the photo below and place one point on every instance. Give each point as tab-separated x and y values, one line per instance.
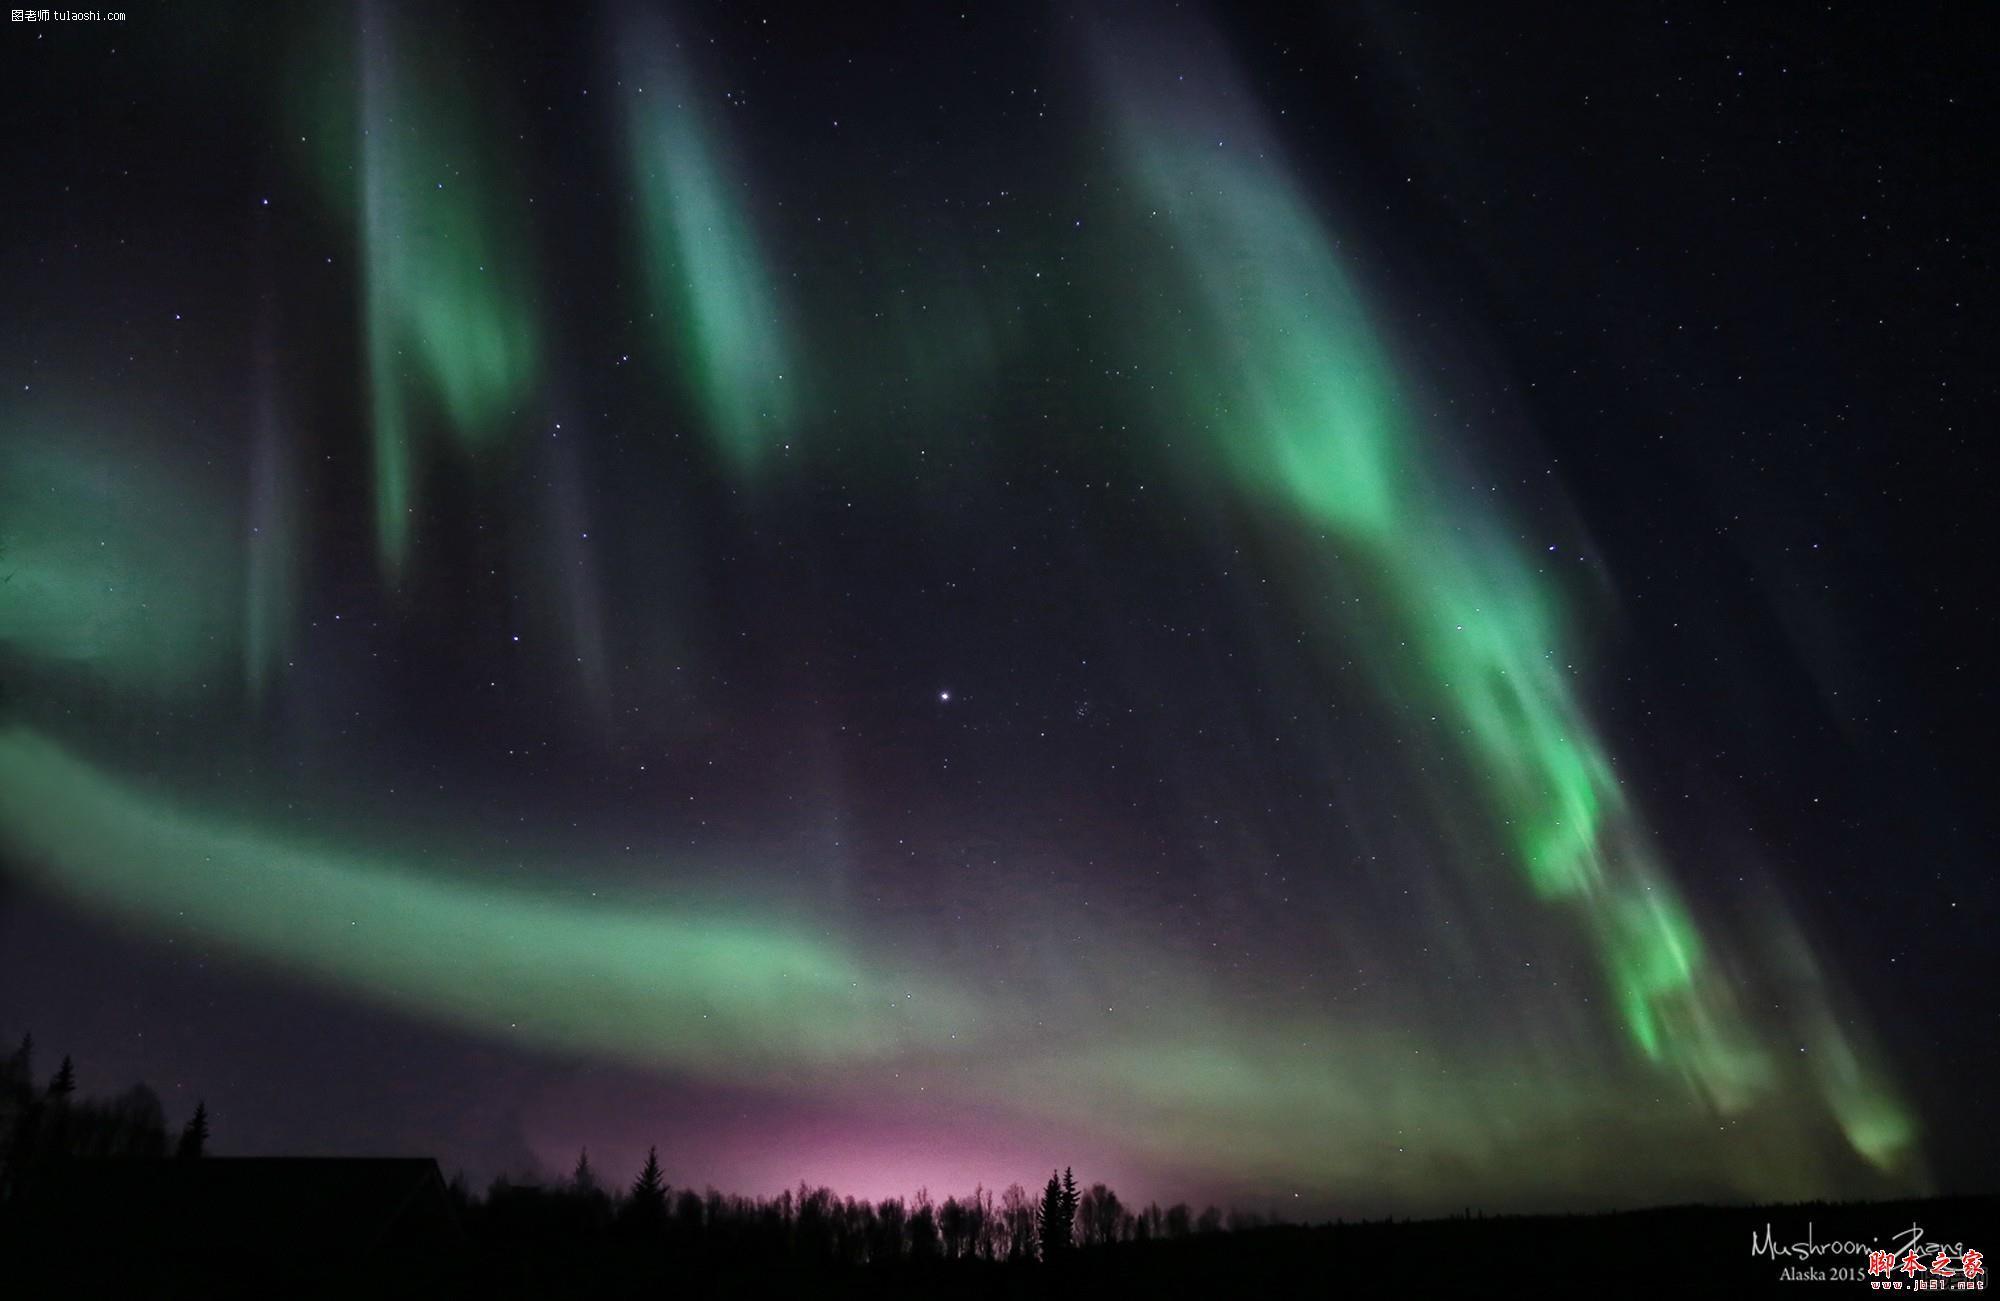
1678	1251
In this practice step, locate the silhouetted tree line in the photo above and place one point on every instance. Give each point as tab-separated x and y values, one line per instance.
589	1236
815	1224
44	1125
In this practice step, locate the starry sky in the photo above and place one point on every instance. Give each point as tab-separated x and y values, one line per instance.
1348	609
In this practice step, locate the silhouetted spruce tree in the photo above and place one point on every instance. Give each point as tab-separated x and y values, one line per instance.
1053	1220
583	1179
64	1083
194	1139
649	1193
1069	1204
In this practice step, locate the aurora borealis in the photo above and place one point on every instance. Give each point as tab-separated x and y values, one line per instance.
1272	606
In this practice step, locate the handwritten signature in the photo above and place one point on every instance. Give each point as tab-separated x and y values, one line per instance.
1906	1240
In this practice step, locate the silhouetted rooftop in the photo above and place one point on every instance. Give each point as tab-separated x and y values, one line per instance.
298	1208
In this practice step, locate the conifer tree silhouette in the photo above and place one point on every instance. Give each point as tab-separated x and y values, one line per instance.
194	1139
649	1191
64	1083
1053	1220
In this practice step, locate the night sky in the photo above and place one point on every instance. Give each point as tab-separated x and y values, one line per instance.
1346	608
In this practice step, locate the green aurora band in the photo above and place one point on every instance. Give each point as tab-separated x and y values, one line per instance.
446	286
717	311
727	996
1274	357
705	992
